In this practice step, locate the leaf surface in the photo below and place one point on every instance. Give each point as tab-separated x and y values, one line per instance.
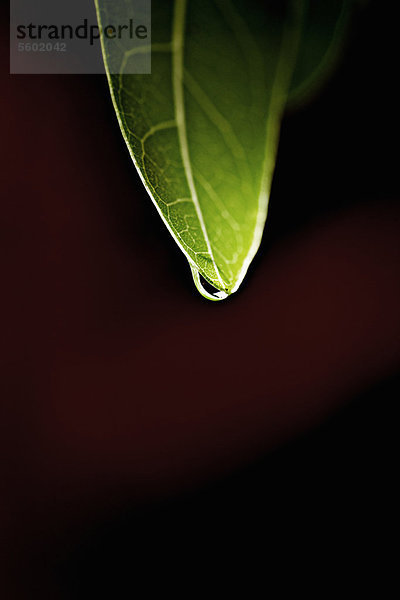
203	128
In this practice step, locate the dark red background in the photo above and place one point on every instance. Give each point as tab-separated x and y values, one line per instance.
134	413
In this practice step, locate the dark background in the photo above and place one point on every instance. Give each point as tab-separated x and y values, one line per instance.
149	436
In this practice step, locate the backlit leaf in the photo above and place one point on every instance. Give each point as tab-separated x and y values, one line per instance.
203	127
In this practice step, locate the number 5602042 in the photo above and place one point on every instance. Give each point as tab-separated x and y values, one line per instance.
42	47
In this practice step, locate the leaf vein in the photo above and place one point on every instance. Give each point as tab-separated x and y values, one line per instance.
177	82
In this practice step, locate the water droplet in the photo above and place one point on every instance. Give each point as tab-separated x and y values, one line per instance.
205	288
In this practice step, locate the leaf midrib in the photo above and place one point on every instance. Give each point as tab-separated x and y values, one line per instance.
178	30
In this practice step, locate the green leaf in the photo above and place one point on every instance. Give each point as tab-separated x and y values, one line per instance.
203	128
